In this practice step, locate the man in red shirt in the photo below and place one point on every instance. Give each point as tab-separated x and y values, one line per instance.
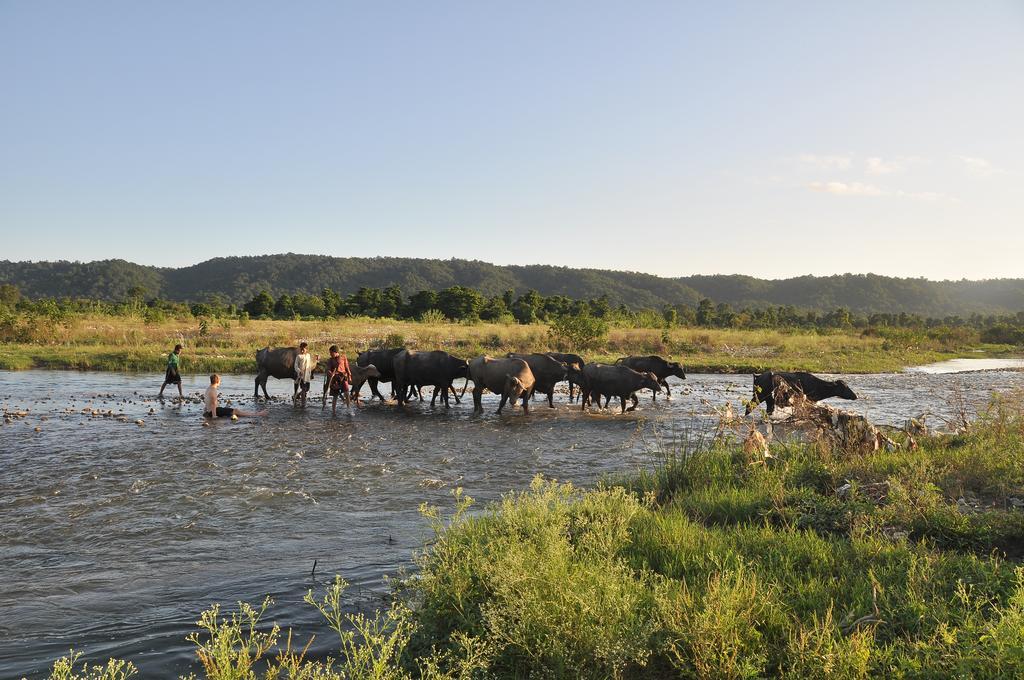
339	379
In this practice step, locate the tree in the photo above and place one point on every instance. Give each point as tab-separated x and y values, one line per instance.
601	307
420	302
9	295
459	302
366	301
525	308
284	308
578	332
705	313
671	316
391	302
332	302
261	306
308	305
494	309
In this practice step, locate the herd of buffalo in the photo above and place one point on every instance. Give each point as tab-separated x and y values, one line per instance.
520	376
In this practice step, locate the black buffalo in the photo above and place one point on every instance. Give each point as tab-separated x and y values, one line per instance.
383	359
569	360
547	372
414	369
812	387
275	363
615	381
661	368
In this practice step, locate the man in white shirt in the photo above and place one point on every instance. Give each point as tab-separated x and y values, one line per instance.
304	365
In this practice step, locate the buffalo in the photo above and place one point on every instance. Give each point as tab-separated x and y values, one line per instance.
509	377
414	369
615	381
813	388
360	374
383	359
569	360
547	372
277	363
656	365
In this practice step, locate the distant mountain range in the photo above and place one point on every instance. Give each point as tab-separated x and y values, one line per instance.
238	279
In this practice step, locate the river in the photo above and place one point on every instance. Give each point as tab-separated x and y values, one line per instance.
115	535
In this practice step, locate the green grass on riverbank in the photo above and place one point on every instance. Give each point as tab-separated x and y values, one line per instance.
229	346
814	562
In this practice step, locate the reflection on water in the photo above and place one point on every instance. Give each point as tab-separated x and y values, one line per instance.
116	535
965	365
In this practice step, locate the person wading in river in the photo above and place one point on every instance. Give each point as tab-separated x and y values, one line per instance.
172	376
339	378
212	410
304	365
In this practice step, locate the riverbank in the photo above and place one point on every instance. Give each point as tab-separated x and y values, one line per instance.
720	563
229	346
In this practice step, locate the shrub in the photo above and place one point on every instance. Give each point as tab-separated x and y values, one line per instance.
433	317
578	332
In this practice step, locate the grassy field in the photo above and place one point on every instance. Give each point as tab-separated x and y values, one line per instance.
814	562
228	346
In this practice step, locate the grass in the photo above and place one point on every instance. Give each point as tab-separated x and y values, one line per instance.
229	346
719	563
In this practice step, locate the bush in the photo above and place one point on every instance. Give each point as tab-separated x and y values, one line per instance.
433	317
578	332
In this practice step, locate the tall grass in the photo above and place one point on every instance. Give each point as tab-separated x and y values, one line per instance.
135	344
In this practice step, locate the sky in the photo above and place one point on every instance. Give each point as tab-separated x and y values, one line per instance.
675	138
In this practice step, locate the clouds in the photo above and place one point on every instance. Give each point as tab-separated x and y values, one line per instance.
862	189
876	165
866	176
846	189
833	162
978	167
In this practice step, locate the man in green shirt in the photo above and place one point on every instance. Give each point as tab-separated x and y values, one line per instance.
173	374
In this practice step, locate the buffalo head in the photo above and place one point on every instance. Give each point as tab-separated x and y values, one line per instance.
676	369
843	390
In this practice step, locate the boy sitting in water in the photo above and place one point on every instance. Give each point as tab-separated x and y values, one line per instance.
338	379
211	410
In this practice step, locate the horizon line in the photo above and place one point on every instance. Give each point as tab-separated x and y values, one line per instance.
495	264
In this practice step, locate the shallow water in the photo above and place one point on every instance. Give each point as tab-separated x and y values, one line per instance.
965	365
114	536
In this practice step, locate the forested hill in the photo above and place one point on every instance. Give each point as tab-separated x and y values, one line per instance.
238	279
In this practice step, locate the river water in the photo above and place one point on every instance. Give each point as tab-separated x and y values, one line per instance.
115	535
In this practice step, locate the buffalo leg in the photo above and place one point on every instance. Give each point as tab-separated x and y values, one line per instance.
623	402
477	394
504	398
374	392
668	390
526	405
551	397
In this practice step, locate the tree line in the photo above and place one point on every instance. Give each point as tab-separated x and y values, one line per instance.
237	280
461	304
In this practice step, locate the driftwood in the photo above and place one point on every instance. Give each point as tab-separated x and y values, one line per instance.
850	431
